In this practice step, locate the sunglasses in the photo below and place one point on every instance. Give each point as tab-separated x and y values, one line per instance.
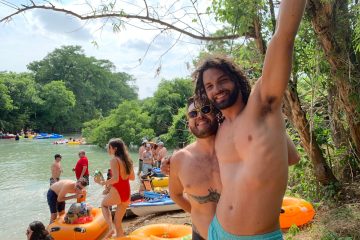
79	187
204	110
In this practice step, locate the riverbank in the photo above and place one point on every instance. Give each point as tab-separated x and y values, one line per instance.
338	219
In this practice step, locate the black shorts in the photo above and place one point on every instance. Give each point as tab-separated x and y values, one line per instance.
54	205
196	236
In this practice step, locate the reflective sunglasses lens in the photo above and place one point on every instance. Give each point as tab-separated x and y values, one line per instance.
206	109
192	114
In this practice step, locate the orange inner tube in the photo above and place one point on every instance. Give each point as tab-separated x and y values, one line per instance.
163	231
295	211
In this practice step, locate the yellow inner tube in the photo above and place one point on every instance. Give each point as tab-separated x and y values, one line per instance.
163	231
160	181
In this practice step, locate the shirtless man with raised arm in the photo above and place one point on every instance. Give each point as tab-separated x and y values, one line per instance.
250	144
194	180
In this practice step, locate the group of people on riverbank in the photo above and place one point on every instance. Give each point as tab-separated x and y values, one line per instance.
232	179
150	155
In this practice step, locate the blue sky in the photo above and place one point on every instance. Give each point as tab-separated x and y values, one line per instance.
31	36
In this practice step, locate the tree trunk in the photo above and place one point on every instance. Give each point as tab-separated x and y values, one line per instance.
298	119
330	20
337	129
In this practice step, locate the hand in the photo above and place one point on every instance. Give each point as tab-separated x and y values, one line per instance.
165	165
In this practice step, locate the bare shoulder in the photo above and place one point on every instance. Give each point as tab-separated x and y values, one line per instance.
181	155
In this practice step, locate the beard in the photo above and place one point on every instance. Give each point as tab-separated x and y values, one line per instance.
205	132
228	102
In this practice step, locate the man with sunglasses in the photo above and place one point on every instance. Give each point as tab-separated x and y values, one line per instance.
251	144
194	181
56	195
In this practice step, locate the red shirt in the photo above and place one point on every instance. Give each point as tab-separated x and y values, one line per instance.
83	161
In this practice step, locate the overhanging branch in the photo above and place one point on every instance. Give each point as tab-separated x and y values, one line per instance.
146	18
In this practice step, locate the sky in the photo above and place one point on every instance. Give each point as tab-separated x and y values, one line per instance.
32	35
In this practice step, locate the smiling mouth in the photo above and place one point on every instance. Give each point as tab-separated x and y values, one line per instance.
220	97
202	122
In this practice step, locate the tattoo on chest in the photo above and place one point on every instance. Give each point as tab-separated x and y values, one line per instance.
213	196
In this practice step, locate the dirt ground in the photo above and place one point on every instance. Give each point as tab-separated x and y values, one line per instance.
176	217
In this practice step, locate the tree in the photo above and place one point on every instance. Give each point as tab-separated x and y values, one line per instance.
334	27
128	122
24	94
58	101
96	86
170	96
178	134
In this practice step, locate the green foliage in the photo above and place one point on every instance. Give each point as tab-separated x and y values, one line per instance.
128	122
21	100
239	14
178	134
58	101
168	99
84	76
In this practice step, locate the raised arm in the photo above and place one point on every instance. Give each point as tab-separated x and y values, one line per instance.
293	155
278	58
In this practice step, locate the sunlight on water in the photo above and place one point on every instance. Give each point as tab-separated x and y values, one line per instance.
24	180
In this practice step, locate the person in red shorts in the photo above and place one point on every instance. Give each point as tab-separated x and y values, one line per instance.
82	167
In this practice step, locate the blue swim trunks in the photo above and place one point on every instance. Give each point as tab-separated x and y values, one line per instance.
216	232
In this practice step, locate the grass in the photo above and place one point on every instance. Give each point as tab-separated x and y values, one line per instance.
334	219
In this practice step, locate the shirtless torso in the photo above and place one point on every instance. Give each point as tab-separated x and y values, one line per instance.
196	171
56	169
251	144
254	163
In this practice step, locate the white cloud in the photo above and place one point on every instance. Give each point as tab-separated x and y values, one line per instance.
32	35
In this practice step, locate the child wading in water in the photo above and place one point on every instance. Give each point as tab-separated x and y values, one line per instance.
122	171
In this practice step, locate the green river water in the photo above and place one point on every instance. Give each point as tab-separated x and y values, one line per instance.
24	180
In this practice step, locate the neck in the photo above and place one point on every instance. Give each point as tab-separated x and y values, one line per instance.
206	144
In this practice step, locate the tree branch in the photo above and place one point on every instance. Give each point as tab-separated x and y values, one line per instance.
120	15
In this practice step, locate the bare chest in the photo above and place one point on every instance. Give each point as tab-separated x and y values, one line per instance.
200	175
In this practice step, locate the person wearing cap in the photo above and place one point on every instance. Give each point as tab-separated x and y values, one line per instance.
141	150
56	169
148	159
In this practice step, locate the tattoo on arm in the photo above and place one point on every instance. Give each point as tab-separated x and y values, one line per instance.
213	196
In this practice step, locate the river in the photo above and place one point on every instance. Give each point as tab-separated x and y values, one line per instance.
24	180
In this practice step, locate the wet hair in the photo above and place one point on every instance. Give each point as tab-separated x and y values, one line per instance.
83	182
38	231
226	65
122	153
57	156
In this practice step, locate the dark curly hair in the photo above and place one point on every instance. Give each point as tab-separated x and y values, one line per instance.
226	65
39	231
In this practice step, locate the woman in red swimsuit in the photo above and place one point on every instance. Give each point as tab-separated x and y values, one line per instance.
119	194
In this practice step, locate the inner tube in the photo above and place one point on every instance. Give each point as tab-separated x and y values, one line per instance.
295	211
164	231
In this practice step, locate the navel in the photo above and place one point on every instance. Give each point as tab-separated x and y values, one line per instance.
231	207
250	138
